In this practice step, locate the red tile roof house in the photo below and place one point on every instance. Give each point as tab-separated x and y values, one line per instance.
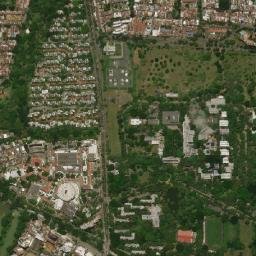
186	236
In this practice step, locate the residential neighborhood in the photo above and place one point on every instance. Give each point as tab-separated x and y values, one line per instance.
171	18
63	90
10	25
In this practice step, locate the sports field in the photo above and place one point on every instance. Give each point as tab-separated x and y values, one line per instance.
214	232
218	234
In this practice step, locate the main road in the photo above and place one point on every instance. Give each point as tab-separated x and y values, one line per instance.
97	56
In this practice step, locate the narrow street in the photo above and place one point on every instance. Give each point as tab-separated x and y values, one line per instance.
97	56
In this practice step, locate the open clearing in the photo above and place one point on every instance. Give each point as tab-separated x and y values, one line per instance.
185	68
115	99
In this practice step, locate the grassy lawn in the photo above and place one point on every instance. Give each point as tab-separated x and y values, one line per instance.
230	232
10	236
114	99
4	209
239	65
214	232
233	253
246	236
176	69
113	136
218	234
106	64
186	68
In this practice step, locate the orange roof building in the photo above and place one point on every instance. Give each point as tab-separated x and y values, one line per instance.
186	236
138	27
90	169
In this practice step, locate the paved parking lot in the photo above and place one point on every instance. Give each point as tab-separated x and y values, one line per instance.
119	72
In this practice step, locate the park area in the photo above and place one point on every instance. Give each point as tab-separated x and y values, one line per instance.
184	68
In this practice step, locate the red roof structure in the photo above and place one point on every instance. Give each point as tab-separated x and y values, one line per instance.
186	236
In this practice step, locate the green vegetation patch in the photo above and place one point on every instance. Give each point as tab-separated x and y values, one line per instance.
7	4
115	99
246	236
224	4
9	226
173	143
230	232
113	135
185	68
221	234
214	232
178	69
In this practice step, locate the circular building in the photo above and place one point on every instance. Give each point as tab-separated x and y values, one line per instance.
68	191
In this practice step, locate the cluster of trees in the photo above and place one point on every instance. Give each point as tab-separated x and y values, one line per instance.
176	9
63	133
7	5
224	4
5	226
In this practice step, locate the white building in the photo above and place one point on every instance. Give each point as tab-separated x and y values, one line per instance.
135	121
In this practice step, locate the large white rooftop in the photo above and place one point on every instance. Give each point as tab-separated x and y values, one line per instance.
68	191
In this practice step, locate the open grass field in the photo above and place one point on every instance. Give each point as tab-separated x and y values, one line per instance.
176	69
214	232
246	237
230	232
185	68
233	253
218	234
114	99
